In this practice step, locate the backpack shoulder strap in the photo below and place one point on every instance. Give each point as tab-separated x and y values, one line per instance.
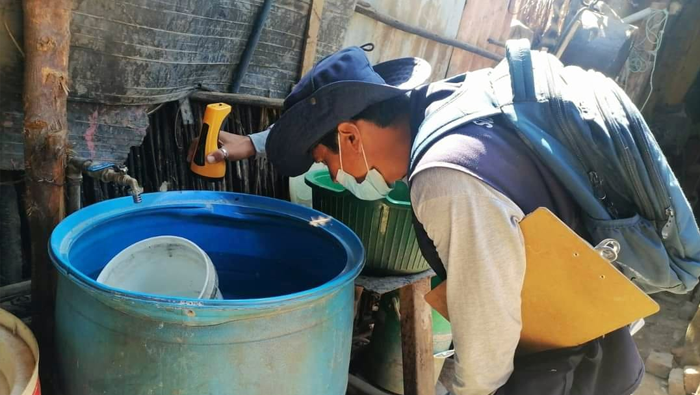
473	100
522	77
481	95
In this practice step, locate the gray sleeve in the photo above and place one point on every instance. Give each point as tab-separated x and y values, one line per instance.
477	235
259	139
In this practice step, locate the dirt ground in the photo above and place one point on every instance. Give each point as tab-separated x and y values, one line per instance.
663	332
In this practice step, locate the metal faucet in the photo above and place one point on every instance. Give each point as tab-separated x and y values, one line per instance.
103	171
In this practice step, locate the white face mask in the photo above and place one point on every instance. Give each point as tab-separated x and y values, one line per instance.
374	187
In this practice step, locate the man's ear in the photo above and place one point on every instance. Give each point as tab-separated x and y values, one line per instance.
349	136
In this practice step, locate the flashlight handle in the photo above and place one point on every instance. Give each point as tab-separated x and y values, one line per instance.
214	117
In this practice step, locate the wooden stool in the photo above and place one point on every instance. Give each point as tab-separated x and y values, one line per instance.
416	327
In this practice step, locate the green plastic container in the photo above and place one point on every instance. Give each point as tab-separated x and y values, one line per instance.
383	362
384	226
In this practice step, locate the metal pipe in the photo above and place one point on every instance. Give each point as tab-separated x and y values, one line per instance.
251	45
639	15
367	10
497	43
74	176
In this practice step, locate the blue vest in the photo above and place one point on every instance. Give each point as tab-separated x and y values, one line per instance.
493	153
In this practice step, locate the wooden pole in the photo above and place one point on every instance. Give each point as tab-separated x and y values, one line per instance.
46	45
367	10
417	339
315	18
678	60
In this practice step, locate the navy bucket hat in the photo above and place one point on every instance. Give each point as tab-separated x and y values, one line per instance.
339	87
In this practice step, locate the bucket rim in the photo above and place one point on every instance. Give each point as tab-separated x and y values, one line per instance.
320	180
17	327
82	221
210	273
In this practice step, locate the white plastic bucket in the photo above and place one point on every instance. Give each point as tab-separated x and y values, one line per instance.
19	357
164	266
299	192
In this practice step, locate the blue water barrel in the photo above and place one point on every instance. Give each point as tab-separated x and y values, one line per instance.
285	326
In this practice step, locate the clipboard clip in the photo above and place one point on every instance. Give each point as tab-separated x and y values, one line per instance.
609	249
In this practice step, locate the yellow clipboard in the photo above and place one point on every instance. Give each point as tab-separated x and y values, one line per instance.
571	295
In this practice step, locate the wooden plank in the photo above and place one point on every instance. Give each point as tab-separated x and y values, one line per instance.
392	43
482	20
499	29
685	74
417	339
315	17
679	59
46	45
237	98
386	284
368	11
684	42
477	29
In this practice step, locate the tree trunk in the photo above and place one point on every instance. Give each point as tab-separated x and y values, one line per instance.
46	45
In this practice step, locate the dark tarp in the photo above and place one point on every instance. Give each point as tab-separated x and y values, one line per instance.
146	52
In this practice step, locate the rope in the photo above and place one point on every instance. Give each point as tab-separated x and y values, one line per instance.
12	37
658	38
641	59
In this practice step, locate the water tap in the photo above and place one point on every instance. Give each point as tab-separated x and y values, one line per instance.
110	172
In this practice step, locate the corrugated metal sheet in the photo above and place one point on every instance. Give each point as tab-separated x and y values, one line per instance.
441	17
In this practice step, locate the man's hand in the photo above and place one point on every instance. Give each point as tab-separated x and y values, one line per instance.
238	147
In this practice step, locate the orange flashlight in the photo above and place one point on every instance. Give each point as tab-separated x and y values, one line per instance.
214	116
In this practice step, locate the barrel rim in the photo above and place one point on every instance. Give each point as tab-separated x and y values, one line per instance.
83	220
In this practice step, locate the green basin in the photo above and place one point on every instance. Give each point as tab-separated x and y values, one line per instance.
384	226
383	361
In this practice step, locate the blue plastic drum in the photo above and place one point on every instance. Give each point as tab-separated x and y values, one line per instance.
285	326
